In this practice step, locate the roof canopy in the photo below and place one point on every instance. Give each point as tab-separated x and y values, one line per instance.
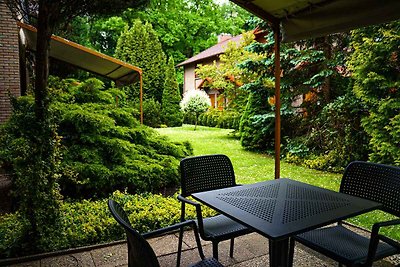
301	19
84	58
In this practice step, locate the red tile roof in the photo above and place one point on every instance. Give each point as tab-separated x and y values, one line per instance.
212	51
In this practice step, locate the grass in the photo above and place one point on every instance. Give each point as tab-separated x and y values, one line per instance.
251	167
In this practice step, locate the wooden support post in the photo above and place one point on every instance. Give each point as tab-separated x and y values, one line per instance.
277	100
141	97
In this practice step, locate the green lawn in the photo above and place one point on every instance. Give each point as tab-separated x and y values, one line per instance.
250	167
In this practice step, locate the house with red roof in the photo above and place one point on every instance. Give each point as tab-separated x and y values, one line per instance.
208	56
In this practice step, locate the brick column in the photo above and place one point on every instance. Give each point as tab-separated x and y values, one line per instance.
9	84
9	61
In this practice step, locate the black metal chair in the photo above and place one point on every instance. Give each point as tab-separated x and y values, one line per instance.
376	182
204	173
140	253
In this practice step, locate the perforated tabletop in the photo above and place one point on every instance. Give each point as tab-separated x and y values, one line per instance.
281	208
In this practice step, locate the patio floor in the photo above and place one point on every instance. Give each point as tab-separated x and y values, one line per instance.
250	250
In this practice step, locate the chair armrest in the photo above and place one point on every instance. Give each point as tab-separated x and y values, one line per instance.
188	201
167	229
375	237
386	223
376	227
199	215
375	231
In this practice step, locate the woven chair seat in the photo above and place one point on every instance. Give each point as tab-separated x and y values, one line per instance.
222	227
347	246
367	180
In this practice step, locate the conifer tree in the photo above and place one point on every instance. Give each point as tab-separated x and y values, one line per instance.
139	46
171	113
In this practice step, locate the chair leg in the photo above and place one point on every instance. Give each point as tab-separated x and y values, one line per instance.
180	241
231	248
291	251
198	242
215	250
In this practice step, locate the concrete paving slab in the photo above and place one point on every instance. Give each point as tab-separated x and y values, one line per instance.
166	244
72	260
250	251
190	241
111	256
188	257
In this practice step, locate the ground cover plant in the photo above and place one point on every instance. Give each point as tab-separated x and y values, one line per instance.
90	222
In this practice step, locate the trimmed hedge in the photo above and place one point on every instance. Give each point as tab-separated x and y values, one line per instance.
90	222
216	118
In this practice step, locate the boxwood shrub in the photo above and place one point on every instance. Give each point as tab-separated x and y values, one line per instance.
90	222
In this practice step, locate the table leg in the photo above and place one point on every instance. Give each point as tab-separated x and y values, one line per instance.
279	253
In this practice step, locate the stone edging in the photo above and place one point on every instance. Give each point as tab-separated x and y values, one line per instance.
10	261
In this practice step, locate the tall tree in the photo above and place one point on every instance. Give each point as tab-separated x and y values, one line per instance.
227	76
39	203
188	27
171	113
376	72
139	45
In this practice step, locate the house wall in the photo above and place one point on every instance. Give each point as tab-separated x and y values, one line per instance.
9	84
189	78
9	61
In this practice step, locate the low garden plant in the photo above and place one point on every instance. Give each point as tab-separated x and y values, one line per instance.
90	222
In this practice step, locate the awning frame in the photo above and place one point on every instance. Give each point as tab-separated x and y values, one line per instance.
128	76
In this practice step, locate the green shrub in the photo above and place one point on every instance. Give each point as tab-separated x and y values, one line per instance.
90	222
257	122
104	147
219	118
335	137
12	230
375	64
152	113
195	102
171	113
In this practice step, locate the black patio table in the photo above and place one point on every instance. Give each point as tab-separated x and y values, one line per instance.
281	208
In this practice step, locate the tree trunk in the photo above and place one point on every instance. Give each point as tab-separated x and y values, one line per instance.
44	31
42	196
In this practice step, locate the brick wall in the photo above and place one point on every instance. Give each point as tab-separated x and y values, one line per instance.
9	61
9	83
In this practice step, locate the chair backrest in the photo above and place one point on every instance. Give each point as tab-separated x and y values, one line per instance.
140	253
373	181
203	173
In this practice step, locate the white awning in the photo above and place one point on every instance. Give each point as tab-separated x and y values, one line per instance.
302	19
85	58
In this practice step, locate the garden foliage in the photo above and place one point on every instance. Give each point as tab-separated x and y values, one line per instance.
195	102
226	76
376	72
34	179
227	119
140	46
104	147
90	222
256	128
171	114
